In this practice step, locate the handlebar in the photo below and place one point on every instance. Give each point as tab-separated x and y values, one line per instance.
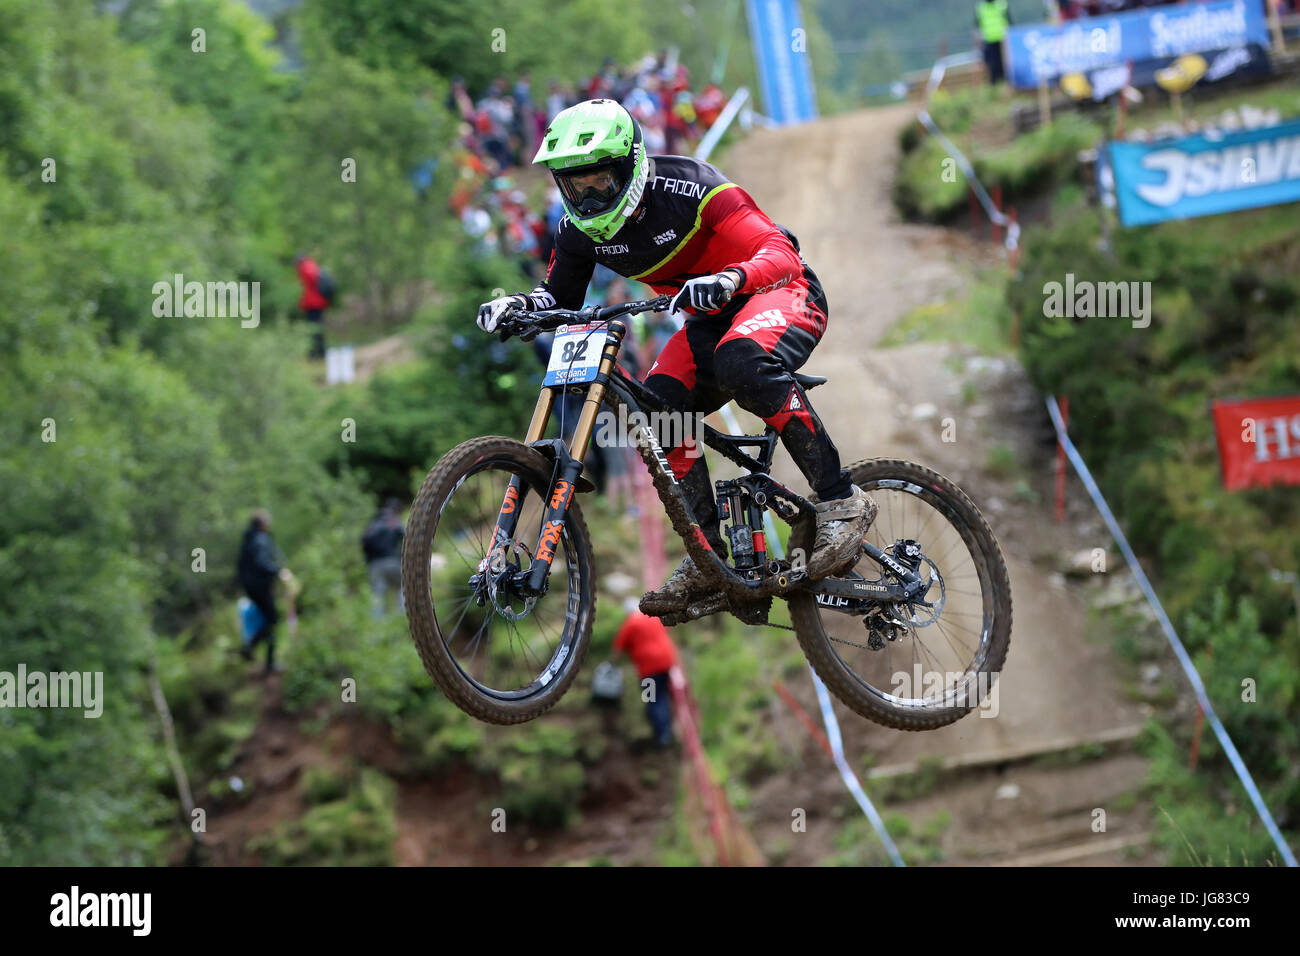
528	325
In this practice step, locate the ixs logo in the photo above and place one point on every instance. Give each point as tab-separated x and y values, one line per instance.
770	319
133	910
663	237
618	249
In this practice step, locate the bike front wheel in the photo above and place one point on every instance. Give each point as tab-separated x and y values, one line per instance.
927	664
501	657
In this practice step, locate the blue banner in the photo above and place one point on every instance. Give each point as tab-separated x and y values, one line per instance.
1203	175
781	51
1045	51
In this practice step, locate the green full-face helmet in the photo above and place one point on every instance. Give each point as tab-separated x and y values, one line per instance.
597	155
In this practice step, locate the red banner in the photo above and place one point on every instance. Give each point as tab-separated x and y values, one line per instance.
1259	441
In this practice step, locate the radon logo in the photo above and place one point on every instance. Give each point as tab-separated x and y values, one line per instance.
613	250
132	910
770	319
682	187
663	237
771	285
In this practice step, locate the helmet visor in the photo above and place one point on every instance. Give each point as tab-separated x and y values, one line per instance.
591	191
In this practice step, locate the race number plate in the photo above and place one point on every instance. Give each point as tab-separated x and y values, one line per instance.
575	354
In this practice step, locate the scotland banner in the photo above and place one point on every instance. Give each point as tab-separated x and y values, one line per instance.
781	51
1043	51
1203	175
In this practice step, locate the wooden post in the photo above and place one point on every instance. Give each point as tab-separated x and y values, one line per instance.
1044	104
1276	25
1200	721
1121	122
1060	463
1176	101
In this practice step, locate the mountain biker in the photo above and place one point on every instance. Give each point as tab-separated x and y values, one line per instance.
754	311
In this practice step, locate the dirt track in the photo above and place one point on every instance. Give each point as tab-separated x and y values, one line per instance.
829	182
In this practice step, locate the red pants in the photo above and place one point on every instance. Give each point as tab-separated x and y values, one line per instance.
748	352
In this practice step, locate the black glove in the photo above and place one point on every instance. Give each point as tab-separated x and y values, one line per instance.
707	293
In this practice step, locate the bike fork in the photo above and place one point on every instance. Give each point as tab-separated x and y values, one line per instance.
570	467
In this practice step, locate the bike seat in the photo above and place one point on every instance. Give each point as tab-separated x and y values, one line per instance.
810	381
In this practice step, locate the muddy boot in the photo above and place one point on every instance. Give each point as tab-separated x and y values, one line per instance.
841	523
686	582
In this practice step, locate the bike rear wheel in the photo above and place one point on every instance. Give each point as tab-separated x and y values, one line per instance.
935	664
498	656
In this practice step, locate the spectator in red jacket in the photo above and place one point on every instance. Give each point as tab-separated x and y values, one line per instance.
645	640
313	302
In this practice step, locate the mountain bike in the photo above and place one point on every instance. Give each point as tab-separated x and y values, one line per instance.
500	583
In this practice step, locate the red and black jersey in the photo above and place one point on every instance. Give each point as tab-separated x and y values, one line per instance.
693	222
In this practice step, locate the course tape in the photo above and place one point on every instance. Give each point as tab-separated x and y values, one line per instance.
995	215
1180	651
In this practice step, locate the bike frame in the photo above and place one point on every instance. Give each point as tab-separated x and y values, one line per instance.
767	578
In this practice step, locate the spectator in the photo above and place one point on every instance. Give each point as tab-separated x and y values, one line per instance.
709	105
259	565
458	100
317	291
382	546
645	640
992	17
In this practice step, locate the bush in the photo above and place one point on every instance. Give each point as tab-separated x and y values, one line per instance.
357	829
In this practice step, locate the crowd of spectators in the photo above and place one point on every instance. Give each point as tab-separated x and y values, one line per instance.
503	127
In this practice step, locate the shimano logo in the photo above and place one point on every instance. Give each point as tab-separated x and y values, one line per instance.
614	250
682	187
663	237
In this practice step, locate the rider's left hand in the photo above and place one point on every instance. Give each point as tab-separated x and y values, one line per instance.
707	293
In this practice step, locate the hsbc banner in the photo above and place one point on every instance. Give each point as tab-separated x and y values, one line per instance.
1204	175
1043	52
1259	441
781	50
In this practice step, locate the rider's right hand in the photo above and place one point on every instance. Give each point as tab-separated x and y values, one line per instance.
491	313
